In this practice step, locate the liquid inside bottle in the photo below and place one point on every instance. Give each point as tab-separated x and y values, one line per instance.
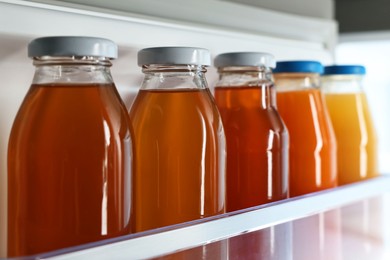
69	159
355	134
312	141
257	139
65	152
257	146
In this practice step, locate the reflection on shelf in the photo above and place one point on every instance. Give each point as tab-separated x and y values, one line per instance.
327	222
355	231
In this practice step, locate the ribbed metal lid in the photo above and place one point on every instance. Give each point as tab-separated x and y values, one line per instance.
72	46
258	59
174	56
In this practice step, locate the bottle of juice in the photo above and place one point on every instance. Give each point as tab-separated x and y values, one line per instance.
179	140
256	137
312	140
352	122
313	158
70	150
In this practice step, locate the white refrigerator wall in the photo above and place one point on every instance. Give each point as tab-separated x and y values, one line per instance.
215	25
311	8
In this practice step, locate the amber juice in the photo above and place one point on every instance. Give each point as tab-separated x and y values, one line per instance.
179	151
356	138
69	168
257	146
312	141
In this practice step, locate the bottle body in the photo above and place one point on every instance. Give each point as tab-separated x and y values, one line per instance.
313	158
69	161
257	140
354	128
313	162
180	149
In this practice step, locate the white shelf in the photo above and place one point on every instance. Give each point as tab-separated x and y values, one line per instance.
212	26
168	240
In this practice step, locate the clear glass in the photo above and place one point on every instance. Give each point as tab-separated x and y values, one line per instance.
179	148
313	158
353	125
69	159
257	139
342	83
296	81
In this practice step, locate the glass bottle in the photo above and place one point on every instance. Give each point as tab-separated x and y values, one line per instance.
352	122
313	158
69	151
302	106
356	154
257	139
180	142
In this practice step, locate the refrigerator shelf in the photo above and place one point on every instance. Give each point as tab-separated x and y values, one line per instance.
134	24
188	235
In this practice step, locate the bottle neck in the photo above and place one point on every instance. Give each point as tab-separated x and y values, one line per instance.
244	76
296	81
174	77
69	70
255	81
342	84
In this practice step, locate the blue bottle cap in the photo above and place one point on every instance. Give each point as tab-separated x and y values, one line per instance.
345	70
299	67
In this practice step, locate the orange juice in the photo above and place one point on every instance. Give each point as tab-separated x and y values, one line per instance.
312	140
69	168
257	147
355	134
178	149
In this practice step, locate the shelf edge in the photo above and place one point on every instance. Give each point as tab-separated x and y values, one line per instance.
232	224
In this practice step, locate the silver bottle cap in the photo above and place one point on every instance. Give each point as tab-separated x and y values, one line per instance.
72	46
174	56
257	59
